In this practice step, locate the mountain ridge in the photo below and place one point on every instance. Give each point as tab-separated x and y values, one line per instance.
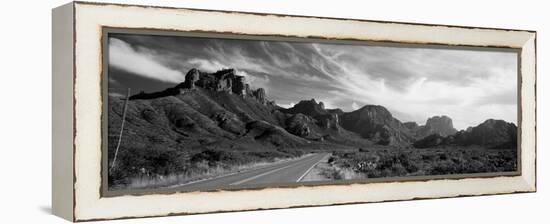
234	110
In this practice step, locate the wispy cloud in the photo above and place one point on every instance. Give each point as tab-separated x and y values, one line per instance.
141	62
413	83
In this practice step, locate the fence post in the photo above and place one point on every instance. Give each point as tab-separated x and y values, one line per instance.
121	128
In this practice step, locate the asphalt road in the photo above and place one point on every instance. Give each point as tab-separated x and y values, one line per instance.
286	172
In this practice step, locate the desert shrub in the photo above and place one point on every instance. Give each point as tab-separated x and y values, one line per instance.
443	168
473	161
431	161
380	164
332	174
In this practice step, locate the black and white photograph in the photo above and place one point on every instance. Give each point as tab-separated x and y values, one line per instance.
196	112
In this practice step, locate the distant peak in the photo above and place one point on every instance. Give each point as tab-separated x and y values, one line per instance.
439	119
493	122
374	108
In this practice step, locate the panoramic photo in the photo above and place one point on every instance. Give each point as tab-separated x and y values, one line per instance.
212	113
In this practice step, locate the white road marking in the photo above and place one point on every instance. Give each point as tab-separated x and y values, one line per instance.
228	174
264	174
307	171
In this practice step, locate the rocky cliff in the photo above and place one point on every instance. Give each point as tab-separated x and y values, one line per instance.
440	125
377	123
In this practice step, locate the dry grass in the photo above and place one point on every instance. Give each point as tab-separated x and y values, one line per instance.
155	166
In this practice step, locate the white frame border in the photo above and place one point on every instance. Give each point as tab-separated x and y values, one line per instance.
89	20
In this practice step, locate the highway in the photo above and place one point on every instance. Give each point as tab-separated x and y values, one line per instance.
285	172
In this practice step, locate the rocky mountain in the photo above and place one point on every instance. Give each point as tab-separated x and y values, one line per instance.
220	110
207	109
309	118
377	123
327	119
490	134
440	125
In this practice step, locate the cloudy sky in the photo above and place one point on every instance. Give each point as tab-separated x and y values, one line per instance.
413	83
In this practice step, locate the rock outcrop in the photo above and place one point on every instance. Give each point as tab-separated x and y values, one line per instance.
191	77
224	80
239	86
259	94
219	81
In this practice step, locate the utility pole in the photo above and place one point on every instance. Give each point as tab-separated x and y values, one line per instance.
121	128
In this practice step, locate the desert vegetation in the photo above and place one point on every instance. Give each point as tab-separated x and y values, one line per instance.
139	168
397	162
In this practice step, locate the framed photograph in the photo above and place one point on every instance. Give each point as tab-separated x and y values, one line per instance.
166	111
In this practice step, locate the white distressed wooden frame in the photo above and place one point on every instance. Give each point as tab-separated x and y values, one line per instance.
77	110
